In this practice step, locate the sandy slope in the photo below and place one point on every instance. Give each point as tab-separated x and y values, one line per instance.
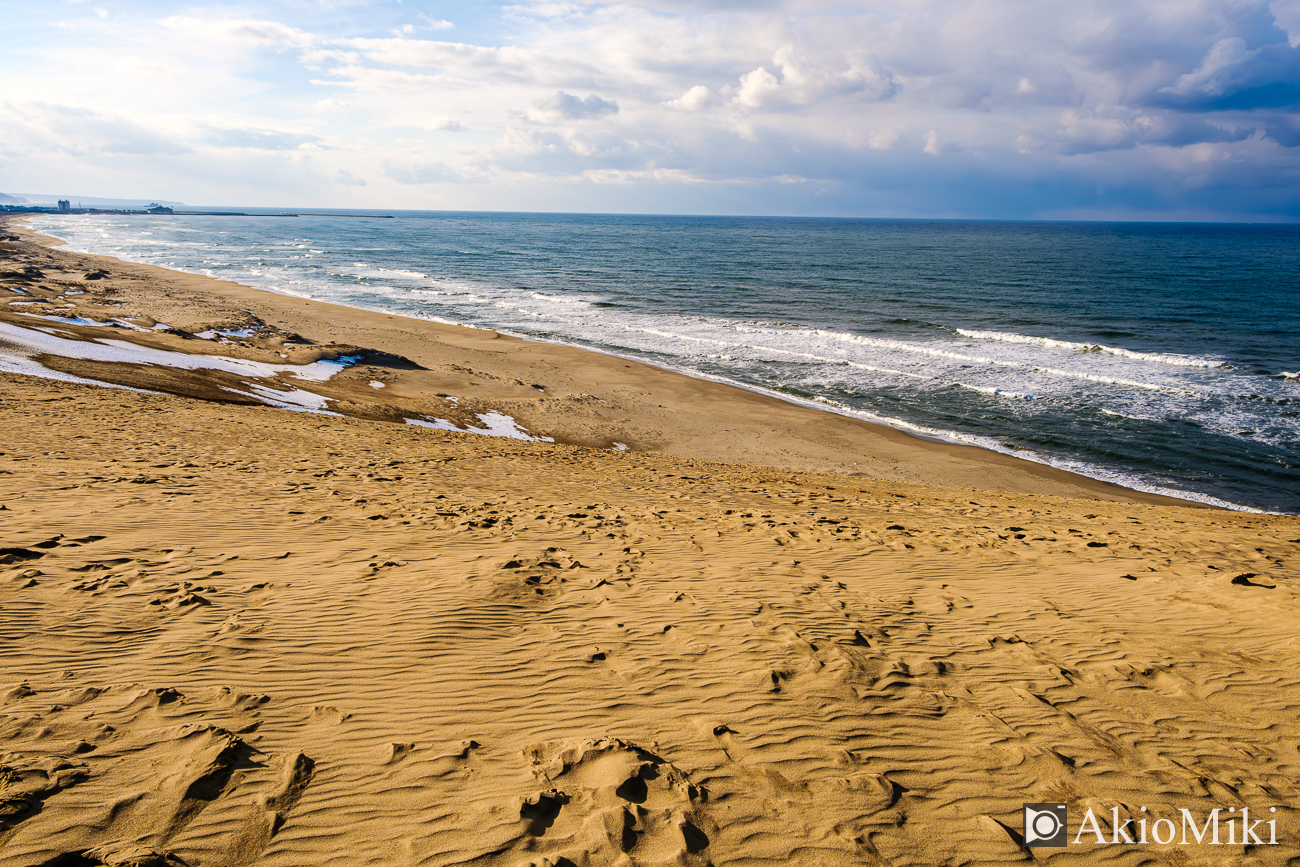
235	635
247	636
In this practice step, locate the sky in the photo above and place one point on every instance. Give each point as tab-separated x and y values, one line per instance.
998	109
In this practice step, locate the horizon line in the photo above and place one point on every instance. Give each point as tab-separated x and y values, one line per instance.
1278	220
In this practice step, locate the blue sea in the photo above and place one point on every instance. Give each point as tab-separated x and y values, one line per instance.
1162	357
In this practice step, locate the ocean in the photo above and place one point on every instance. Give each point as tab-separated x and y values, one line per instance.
1162	357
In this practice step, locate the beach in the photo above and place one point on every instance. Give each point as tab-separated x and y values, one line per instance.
662	621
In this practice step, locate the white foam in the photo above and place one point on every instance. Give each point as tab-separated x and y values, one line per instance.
557	299
1157	357
996	392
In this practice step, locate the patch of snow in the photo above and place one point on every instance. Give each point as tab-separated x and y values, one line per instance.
19	364
436	424
497	425
320	371
294	399
64	320
502	425
40	343
214	333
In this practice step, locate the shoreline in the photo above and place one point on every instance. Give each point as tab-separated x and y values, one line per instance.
803	436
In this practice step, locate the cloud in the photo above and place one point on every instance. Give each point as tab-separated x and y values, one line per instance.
757	87
477	62
696	98
247	30
263	139
426	173
1233	76
1283	129
1081	132
387	81
856	76
1286	15
442	123
571	152
41	127
345	177
1096	100
318	58
566	106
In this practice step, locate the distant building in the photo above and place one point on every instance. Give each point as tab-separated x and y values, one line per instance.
158	209
65	206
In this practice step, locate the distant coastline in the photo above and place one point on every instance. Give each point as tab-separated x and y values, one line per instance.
161	211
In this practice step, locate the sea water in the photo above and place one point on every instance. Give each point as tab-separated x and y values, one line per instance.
1162	357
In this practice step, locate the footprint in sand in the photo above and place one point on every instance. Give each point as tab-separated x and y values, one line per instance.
610	801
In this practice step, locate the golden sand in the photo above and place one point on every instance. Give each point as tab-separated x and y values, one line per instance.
237	635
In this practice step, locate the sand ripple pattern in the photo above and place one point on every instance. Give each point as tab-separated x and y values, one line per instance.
234	637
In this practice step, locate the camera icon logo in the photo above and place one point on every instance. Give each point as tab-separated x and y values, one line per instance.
1045	825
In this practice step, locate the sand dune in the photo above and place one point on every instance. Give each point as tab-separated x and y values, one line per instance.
237	635
248	636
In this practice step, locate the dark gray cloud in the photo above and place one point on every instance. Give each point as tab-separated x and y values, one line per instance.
1233	77
1283	129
